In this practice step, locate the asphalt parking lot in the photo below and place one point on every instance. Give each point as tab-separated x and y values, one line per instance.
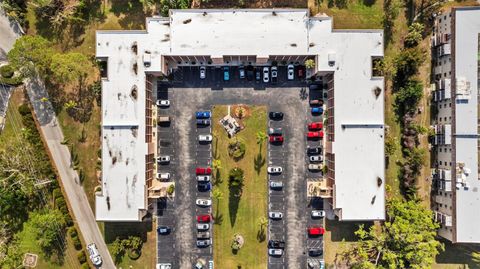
180	140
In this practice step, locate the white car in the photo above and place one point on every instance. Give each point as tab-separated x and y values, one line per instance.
275	215
274	71
205	138
275	252
266	74
203	202
203	72
203	226
203	243
164	266
163	176
94	255
290	72
316	158
203	178
163	159
274	169
163	103
318	213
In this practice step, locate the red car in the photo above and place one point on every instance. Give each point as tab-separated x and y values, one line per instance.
315	126
315	135
203	218
315	231
203	171
275	138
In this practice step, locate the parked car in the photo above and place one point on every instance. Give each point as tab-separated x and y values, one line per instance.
203	114
203	72
241	71
274	131
315	231
163	120
276	244
317	110
314	150
313	126
163	230
203	218
203	122
314	167
226	73
290	72
203	243
205	138
93	254
316	158
203	235
163	103
275	139
204	186
313	252
250	72
274	71
301	71
274	169
316	102
275	252
203	202
276	185
203	171
274	115
163	176
163	159
203	178
315	135
266	74
210	264
258	75
203	226
163	266
318	213
275	215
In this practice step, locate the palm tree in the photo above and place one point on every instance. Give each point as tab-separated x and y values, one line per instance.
261	137
217	194
217	164
262	222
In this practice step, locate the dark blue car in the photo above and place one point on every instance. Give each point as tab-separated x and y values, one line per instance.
317	110
204	186
226	73
202	114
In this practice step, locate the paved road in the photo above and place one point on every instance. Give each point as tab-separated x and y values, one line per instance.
61	156
9	32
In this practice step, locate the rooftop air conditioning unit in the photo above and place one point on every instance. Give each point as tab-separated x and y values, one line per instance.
331	58
147	59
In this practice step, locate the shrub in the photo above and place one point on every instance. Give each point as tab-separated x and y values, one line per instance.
170	189
6	71
85	266
23	109
77	243
236	149
72	232
236	176
134	254
57	193
60	202
82	258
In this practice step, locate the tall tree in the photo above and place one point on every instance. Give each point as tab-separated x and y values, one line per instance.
405	240
30	53
48	227
70	68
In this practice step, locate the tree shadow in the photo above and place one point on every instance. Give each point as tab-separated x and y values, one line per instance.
218	218
133	13
235	193
217	179
258	162
123	230
369	3
261	235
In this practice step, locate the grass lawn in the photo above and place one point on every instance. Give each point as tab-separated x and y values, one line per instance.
358	14
243	220
144	231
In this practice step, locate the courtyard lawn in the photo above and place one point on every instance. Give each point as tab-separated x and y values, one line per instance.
243	217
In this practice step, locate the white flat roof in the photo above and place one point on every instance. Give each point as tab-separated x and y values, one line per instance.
467	58
358	148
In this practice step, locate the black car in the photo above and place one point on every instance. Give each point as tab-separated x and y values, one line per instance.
250	72
163	230
203	122
276	244
315	252
258	75
315	87
314	151
276	115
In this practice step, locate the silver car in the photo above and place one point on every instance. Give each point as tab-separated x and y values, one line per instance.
314	167
275	252
94	255
316	158
203	202
163	103
203	178
290	72
203	72
318	213
163	176
164	159
203	243
205	138
274	169
203	235
266	74
276	185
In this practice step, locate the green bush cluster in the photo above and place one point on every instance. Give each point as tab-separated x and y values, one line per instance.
6	71
82	258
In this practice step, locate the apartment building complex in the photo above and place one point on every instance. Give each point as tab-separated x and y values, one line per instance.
456	70
344	58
